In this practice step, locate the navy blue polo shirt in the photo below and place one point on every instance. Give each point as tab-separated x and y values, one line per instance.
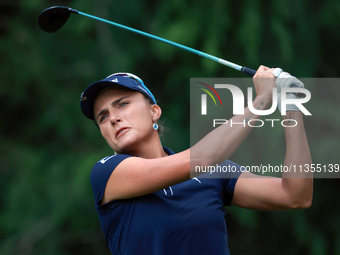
187	218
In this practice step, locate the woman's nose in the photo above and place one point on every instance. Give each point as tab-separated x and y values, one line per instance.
114	118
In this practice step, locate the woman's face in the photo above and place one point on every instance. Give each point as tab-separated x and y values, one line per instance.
125	119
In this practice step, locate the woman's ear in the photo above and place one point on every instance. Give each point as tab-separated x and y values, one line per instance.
156	112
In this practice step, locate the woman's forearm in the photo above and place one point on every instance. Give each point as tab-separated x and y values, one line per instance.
298	183
222	142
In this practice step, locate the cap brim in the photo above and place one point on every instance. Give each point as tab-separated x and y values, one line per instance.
91	92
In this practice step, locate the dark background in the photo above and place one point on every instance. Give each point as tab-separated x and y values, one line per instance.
48	147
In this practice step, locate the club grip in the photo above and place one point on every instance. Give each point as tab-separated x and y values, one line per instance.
248	71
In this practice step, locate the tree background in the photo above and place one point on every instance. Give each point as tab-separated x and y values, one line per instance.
48	147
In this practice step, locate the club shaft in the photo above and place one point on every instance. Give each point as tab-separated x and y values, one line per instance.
243	69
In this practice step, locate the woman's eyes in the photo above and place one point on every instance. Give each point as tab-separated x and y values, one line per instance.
103	117
122	104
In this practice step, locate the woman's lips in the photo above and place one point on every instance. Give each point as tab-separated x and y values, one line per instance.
121	131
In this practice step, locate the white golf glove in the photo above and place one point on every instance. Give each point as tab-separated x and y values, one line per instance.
285	80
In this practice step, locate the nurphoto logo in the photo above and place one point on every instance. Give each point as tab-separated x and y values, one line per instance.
216	91
238	99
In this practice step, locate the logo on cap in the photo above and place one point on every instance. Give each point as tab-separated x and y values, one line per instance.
114	80
82	98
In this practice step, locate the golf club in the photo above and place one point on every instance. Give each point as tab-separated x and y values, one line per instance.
53	18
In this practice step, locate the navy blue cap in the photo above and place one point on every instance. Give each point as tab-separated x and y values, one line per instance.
126	80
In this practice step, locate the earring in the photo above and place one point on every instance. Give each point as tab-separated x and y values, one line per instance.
155	126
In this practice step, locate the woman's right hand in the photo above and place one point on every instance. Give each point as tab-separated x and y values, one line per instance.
264	82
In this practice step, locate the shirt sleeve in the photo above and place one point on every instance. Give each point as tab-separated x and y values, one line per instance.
233	173
101	173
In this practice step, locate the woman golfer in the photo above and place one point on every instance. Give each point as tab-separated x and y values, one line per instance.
147	198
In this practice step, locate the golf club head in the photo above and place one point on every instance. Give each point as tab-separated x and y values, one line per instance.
52	19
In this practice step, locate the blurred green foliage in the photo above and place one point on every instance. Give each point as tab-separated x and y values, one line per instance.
48	148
